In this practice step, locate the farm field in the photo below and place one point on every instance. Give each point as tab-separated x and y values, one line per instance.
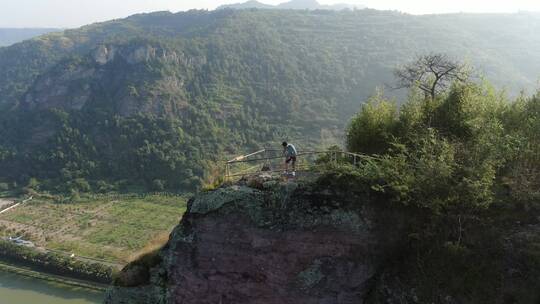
109	227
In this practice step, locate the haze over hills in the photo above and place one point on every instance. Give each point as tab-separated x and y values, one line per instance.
9	36
293	4
154	100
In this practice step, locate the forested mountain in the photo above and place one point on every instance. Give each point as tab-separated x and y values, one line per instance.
155	99
293	4
9	36
247	5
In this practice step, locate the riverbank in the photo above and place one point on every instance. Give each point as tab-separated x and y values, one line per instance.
27	272
54	264
20	289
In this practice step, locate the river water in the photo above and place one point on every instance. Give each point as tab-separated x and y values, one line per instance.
16	289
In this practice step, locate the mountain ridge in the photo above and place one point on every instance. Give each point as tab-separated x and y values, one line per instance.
293	4
9	36
158	99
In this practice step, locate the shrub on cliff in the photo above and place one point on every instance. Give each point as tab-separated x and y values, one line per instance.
454	152
522	173
372	129
420	172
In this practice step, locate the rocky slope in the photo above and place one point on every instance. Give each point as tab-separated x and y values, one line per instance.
82	83
309	243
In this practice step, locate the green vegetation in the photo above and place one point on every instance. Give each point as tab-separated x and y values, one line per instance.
55	264
466	160
109	226
153	101
61	280
373	129
461	149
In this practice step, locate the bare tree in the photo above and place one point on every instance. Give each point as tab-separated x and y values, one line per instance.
432	74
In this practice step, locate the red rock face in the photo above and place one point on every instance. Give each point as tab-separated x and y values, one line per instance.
285	245
240	245
231	261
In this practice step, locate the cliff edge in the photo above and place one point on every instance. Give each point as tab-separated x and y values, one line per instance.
325	242
283	243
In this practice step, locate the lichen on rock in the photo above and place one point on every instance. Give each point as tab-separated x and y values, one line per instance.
214	200
312	275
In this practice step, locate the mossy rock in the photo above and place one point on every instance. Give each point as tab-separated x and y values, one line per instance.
214	200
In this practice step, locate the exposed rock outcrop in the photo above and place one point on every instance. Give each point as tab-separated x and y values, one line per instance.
286	243
93	81
104	54
277	242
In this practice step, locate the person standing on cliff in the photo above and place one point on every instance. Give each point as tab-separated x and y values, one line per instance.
290	156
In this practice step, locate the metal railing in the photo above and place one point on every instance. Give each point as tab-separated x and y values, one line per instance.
272	161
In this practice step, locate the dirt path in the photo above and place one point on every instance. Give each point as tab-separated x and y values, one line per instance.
4	203
9	208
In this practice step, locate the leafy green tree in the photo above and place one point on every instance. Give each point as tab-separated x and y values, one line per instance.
421	172
373	128
453	156
522	173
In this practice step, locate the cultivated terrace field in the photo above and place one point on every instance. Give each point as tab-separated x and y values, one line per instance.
111	227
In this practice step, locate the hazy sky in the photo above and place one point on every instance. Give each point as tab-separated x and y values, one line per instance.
73	13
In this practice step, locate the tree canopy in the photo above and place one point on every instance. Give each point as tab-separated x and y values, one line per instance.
461	152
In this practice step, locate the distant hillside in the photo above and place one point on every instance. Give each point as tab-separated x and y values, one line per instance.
294	4
9	36
247	5
156	99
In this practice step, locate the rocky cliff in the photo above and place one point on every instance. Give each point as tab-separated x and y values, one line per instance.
284	243
93	81
278	242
